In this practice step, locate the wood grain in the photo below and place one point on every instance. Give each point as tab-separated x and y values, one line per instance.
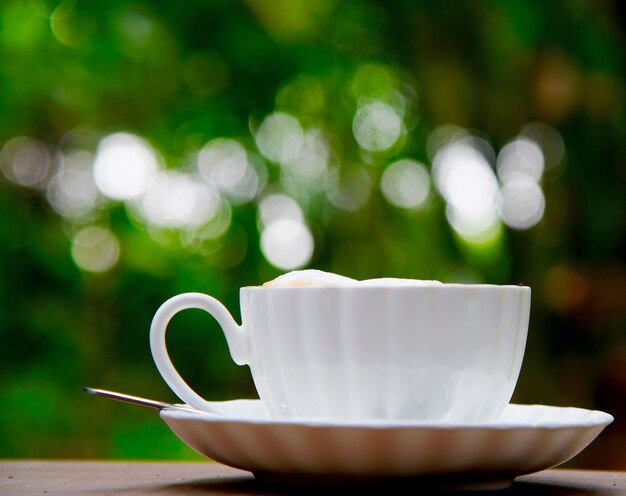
53	478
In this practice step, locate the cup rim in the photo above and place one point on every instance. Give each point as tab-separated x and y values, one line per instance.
405	287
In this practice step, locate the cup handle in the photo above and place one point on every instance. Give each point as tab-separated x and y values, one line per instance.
235	337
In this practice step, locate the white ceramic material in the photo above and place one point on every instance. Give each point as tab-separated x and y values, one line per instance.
522	440
449	352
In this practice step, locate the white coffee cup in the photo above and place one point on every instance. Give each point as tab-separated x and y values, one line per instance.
448	352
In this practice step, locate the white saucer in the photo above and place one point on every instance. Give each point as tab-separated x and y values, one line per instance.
524	439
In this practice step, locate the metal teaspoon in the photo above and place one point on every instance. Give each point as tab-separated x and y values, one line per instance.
136	400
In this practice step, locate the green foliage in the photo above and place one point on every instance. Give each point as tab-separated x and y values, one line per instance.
367	84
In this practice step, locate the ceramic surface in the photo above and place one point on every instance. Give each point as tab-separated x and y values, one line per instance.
523	439
446	352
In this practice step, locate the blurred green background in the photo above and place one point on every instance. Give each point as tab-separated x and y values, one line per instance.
154	148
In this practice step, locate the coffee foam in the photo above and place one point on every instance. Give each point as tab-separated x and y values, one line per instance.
313	277
396	282
310	277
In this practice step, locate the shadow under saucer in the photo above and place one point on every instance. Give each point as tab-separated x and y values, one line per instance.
253	487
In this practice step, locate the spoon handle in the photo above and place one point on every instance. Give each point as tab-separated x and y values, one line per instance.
136	400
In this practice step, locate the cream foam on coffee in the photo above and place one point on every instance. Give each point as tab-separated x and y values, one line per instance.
313	277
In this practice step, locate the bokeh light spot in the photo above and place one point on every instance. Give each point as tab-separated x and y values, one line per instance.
372	81
522	157
206	239
521	203
26	161
469	185
95	249
226	164
66	26
287	244
279	137
376	126
302	96
278	206
312	159
406	184
124	166
481	229
348	189
72	192
549	139
177	200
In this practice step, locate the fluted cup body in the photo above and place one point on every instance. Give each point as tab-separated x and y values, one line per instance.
447	352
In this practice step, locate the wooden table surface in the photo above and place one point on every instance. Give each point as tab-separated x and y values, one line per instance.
52	478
